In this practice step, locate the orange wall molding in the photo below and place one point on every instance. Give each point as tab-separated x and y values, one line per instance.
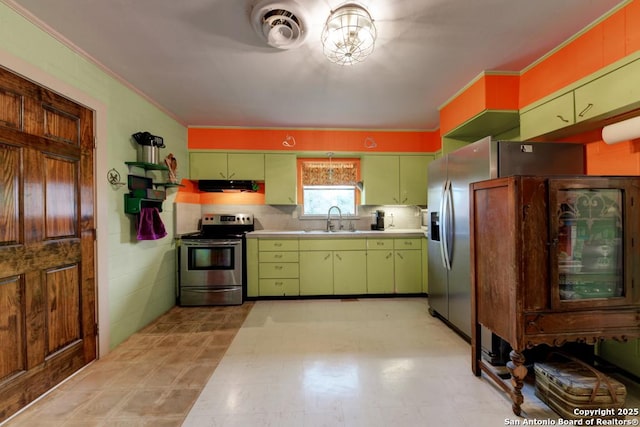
204	138
611	39
488	91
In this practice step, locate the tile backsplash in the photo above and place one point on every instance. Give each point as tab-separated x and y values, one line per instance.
269	217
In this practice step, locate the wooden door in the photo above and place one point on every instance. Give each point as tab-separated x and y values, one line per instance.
47	236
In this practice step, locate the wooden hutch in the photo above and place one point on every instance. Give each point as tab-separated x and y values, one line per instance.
554	260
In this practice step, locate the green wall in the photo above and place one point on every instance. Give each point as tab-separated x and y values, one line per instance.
139	281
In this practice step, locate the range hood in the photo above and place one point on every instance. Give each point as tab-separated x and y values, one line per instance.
220	185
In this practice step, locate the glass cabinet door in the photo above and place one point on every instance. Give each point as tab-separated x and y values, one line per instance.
589	247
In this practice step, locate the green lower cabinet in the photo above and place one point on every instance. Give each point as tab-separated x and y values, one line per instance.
380	272
278	268
425	266
408	271
623	354
350	272
279	287
253	277
316	273
336	267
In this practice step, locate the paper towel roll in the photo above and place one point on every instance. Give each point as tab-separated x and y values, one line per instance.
621	131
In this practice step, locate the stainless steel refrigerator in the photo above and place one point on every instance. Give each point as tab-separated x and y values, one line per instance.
448	206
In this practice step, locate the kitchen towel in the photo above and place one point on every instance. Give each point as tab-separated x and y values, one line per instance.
150	226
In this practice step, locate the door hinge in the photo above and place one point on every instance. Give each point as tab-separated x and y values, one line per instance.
96	329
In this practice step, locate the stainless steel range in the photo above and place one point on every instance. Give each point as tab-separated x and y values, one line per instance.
212	262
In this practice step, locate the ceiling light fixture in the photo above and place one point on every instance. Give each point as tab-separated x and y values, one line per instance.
349	35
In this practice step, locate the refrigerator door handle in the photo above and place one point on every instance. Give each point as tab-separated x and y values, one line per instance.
445	240
450	224
442	225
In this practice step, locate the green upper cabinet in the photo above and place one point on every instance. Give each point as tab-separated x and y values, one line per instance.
613	93
395	180
280	179
609	92
413	179
238	166
207	165
245	166
381	178
548	117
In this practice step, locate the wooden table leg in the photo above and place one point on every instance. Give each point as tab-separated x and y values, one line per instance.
518	373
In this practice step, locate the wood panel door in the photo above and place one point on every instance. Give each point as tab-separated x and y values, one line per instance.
47	236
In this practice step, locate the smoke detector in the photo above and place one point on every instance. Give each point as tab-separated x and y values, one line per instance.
280	24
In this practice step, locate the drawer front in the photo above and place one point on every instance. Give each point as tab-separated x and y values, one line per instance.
379	244
278	256
552	115
611	94
272	270
400	244
279	287
277	245
616	322
339	244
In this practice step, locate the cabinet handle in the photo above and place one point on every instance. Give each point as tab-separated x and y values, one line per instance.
222	175
587	108
277	256
290	199
379	243
278	267
232	174
389	255
339	257
278	283
562	118
327	257
405	200
408	243
277	244
400	255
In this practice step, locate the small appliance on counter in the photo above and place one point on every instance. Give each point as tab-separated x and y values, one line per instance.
148	147
379	220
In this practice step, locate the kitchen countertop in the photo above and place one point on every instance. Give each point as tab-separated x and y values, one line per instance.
321	234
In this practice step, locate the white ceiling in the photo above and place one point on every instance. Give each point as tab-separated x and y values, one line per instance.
201	60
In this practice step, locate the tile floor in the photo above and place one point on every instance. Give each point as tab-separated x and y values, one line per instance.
352	362
152	379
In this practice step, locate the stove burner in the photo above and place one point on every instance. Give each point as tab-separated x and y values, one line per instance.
222	226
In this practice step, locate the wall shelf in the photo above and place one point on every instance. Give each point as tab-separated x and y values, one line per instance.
133	204
148	166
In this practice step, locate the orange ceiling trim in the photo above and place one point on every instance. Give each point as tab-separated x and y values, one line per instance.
488	92
502	92
632	27
610	40
312	140
463	107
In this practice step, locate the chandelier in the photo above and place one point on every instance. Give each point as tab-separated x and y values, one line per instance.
349	35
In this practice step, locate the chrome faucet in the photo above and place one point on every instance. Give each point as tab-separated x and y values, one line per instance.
329	224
